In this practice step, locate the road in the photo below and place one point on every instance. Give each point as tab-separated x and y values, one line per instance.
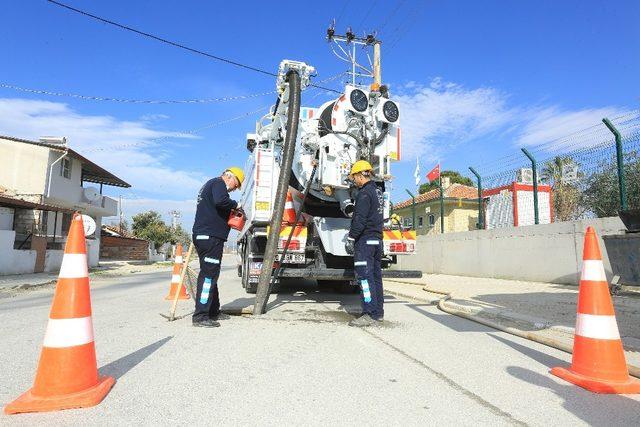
299	364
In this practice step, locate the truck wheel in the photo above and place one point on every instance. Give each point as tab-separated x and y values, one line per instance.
249	288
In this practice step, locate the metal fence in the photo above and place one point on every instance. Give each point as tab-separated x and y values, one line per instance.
591	173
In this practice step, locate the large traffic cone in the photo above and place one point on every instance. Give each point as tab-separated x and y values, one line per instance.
598	363
67	375
175	277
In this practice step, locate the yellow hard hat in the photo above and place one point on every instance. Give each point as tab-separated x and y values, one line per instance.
360	166
238	173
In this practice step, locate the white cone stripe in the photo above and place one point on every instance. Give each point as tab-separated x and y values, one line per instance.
175	278
593	269
68	332
597	326
288	205
74	266
178	260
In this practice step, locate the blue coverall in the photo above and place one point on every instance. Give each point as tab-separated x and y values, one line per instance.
366	230
210	231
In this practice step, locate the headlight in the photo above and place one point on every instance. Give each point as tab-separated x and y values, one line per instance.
390	111
359	100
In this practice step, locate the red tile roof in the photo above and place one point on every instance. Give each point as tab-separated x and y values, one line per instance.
454	191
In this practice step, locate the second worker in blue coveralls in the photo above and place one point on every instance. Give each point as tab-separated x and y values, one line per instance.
210	231
365	243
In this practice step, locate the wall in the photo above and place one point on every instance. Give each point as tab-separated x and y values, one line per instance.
545	253
53	260
112	247
6	218
14	261
30	176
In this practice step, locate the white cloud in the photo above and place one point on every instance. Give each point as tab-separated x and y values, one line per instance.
445	112
439	116
558	129
129	149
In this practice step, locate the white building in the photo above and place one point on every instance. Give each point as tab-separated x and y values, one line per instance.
58	181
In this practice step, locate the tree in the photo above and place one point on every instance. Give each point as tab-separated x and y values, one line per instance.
567	197
179	235
602	196
454	177
150	226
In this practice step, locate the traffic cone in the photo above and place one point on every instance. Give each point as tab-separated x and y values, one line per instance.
598	363
289	214
67	375
175	277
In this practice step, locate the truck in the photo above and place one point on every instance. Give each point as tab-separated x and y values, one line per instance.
360	123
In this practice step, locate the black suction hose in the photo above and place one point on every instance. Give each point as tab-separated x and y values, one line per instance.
271	250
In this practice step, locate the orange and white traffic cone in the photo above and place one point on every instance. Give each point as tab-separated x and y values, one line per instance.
598	363
289	214
175	277
67	375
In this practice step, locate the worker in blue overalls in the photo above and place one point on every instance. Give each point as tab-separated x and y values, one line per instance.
210	231
365	243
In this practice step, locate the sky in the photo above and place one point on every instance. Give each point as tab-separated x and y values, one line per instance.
476	80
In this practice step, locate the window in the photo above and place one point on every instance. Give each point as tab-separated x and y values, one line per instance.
66	223
408	222
432	220
420	222
65	168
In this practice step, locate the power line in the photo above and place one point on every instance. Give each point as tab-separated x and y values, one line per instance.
169	42
391	15
148	101
134	101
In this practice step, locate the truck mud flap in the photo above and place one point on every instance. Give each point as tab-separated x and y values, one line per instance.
344	274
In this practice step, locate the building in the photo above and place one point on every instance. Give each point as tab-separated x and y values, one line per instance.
512	205
119	244
460	209
58	181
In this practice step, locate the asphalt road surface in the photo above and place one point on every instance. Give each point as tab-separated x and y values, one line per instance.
300	364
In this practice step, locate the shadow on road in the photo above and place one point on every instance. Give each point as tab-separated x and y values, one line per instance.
121	366
540	357
454	323
594	409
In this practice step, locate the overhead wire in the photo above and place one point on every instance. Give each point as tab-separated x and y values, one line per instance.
148	101
169	42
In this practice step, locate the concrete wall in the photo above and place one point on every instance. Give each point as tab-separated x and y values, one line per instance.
14	261
544	253
53	260
6	218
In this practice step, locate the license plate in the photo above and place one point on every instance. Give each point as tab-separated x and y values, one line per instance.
294	258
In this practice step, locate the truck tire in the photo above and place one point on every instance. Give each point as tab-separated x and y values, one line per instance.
249	288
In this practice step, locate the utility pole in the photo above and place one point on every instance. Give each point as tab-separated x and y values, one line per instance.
175	216
121	215
377	73
347	45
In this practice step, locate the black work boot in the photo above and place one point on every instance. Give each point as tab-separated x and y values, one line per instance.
221	316
205	323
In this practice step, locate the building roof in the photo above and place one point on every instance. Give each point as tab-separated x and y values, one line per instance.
114	231
91	172
13	202
454	191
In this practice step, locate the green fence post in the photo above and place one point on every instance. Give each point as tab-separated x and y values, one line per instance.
620	160
413	208
534	167
441	205
480	207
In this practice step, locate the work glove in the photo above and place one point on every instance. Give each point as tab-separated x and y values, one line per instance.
349	245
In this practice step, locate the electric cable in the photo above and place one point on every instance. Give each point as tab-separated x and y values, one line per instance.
169	42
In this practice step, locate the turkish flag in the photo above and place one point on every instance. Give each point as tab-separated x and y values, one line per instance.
434	174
